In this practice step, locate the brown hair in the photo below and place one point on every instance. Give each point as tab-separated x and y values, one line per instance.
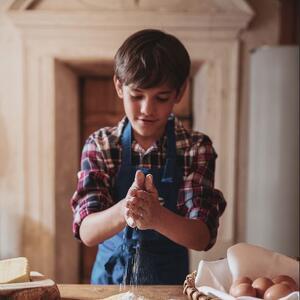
150	58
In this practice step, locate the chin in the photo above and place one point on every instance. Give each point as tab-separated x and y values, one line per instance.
147	130
146	133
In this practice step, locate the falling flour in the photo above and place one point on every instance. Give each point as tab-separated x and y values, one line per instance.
135	268
125	296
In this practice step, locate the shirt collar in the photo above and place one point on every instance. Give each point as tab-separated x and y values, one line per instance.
181	134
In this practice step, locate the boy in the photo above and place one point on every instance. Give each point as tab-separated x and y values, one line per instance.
146	187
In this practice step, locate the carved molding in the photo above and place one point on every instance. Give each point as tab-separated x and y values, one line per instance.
130	19
203	7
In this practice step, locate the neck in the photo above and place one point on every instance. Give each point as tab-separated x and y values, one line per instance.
143	141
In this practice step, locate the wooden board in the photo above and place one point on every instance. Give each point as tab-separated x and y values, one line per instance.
149	292
38	288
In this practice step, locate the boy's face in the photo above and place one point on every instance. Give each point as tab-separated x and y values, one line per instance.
147	110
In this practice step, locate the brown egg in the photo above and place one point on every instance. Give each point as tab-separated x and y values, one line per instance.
261	284
242	289
276	291
242	279
239	280
290	284
286	278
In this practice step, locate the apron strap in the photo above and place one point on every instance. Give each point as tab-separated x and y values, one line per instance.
126	144
170	165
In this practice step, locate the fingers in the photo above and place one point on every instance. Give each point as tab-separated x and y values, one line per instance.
134	216
132	192
131	217
139	199
135	208
143	195
132	201
130	222
138	213
139	180
149	185
137	184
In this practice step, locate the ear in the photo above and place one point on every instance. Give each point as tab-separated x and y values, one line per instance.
118	87
181	91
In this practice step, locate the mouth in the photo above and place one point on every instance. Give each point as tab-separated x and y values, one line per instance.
147	121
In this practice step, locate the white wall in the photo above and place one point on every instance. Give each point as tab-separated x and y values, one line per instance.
263	30
11	142
272	218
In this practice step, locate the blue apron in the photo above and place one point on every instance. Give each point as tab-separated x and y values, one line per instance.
159	260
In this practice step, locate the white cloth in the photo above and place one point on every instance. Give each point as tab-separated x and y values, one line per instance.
214	274
215	277
254	261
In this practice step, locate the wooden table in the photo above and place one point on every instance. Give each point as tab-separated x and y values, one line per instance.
90	292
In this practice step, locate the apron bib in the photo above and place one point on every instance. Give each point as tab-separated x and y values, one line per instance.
159	260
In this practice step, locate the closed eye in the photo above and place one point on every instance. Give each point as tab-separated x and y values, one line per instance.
162	99
136	97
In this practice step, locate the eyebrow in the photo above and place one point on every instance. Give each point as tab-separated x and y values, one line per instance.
162	92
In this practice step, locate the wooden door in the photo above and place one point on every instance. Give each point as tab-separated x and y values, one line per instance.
101	107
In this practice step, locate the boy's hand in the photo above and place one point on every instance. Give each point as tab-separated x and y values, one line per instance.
138	184
144	206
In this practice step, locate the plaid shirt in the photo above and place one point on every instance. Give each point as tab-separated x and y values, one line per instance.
101	159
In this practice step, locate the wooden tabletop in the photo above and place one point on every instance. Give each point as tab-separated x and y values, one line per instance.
90	292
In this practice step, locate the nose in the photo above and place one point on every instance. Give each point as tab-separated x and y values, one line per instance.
147	107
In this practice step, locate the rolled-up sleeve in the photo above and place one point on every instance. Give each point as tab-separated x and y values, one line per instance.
197	198
92	192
